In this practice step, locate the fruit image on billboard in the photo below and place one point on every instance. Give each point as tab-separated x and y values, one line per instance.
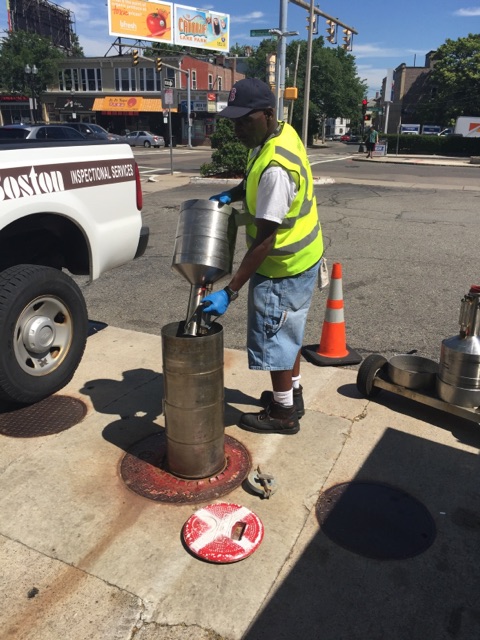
201	28
141	20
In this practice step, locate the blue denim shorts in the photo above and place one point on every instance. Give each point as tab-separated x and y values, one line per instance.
277	315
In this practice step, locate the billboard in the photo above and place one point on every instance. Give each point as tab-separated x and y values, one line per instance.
201	28
141	20
43	18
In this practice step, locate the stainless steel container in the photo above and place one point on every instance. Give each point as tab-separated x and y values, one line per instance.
203	251
194	401
412	372
458	380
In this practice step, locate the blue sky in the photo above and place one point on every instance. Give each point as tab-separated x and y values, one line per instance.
389	33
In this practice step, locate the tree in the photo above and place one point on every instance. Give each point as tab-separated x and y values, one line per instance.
336	91
20	48
229	159
453	86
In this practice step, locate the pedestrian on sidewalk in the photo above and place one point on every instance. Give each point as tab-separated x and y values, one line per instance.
372	139
284	252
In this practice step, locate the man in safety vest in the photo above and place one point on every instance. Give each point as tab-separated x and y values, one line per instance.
285	248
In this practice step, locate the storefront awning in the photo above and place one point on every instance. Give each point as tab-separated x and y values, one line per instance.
124	103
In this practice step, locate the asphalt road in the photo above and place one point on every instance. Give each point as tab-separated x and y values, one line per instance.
408	257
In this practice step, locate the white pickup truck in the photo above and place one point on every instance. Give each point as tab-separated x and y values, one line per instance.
64	207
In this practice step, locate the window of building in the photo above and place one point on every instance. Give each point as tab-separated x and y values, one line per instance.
91	79
219	83
194	79
125	80
68	80
149	79
210	81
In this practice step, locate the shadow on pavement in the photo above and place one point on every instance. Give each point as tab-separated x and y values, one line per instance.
335	594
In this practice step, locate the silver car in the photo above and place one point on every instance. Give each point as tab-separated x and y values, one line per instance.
144	139
94	131
39	132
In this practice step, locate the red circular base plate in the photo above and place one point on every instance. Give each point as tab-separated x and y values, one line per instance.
223	533
143	470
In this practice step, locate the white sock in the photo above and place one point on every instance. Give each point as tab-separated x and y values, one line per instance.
296	382
285	398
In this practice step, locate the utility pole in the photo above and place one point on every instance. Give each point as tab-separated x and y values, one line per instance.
189	111
290	115
313	11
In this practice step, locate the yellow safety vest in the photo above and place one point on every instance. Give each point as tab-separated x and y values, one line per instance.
299	242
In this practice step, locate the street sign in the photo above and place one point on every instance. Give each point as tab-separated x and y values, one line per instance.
258	33
168	82
168	96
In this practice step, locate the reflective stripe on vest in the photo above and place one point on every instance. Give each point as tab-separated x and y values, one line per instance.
298	242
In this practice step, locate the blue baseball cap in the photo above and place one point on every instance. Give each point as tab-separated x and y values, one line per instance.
247	95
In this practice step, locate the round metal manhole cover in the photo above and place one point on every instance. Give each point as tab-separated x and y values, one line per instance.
375	520
223	533
45	418
143	469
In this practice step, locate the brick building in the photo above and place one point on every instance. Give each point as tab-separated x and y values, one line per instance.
407	92
113	93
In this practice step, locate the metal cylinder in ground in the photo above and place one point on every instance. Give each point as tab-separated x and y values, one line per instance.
194	401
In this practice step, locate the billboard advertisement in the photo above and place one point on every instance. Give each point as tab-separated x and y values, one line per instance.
141	20
201	28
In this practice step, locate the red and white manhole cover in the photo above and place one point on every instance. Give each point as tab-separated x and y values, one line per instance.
223	532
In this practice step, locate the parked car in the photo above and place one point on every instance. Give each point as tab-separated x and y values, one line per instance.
144	139
39	132
91	130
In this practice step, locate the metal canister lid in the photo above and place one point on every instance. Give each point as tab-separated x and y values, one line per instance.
223	533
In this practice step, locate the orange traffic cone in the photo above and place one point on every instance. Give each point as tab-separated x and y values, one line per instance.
333	349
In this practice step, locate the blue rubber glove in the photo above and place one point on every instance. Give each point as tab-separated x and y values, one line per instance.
224	197
216	303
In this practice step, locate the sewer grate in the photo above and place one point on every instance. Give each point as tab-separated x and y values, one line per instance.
45	418
143	470
375	520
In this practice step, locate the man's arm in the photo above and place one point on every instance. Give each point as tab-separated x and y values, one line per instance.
256	254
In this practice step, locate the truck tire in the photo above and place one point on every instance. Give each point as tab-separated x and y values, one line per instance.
43	332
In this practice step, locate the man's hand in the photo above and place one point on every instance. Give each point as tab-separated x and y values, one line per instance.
223	198
216	303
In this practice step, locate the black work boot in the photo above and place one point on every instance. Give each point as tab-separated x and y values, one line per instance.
275	418
267	397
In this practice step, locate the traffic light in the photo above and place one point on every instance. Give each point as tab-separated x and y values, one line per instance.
347	40
364	106
134	57
367	116
332	31
158	64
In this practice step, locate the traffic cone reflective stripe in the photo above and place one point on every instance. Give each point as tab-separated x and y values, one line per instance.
333	342
333	349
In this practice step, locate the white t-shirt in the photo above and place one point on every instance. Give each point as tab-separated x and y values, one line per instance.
276	192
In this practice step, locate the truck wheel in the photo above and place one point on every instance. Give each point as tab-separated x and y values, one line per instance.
43	332
367	374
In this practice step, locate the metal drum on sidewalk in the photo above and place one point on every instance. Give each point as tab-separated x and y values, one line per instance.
194	401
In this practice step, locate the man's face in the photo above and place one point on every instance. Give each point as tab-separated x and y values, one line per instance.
253	128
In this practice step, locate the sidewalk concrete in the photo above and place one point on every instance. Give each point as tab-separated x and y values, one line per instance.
84	557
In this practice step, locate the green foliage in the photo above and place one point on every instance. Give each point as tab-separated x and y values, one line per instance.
21	48
230	156
453	86
433	145
336	91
